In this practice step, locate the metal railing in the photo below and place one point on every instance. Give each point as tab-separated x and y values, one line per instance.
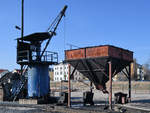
27	56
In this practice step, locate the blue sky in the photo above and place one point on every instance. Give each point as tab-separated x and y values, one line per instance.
123	23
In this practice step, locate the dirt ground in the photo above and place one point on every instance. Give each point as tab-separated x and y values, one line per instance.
140	95
140	102
9	107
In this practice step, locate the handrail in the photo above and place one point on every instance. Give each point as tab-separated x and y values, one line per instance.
48	56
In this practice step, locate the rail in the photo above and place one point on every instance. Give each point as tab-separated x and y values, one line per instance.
31	56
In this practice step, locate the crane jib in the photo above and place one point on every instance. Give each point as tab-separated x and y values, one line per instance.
54	26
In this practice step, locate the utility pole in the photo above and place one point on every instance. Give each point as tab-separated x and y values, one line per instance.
22	27
22	20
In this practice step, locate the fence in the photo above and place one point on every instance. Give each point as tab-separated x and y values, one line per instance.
137	87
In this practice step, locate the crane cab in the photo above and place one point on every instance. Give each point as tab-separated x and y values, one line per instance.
29	53
29	50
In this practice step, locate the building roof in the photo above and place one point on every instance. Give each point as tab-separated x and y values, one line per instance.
3	70
40	36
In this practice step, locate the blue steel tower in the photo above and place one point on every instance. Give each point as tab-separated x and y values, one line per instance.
37	61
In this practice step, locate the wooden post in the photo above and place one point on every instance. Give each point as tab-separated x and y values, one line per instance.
110	86
69	89
61	86
129	83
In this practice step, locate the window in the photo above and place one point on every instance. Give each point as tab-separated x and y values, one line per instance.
60	73
60	67
60	78
57	73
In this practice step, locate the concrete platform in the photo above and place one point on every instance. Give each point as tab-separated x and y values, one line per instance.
32	101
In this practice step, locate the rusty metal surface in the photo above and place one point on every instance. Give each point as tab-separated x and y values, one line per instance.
120	53
99	51
75	54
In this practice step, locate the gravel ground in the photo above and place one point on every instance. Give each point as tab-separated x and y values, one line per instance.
140	104
140	100
61	109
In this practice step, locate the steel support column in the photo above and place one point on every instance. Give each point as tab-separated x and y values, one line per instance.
69	89
61	86
21	70
110	85
129	83
91	87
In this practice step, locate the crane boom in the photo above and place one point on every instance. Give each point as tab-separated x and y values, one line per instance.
54	26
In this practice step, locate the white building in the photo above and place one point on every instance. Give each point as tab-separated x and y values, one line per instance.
61	72
140	72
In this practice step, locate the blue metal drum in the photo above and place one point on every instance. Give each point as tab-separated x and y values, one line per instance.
38	80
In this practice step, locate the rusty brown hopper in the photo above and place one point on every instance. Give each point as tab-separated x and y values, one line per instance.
92	62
